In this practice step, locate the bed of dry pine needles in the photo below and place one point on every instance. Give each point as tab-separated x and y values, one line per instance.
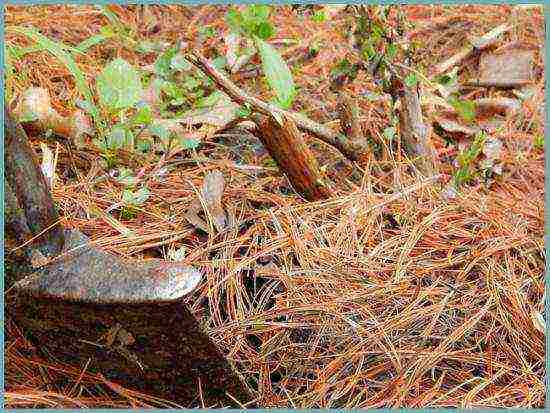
363	300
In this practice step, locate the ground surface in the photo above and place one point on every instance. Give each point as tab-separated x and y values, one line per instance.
364	300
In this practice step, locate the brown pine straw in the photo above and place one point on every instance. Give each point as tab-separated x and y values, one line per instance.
388	295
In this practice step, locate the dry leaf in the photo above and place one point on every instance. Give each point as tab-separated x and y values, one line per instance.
452	126
501	105
37	259
239	51
538	321
34	110
211	194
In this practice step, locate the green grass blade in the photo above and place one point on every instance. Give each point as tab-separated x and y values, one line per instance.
92	41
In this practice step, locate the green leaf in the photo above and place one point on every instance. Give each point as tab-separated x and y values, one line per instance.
342	67
107	31
138	197
252	21
179	63
410	80
391	51
368	51
466	109
319	16
141	195
160	131
264	30
277	73
84	105
243	111
116	138
466	159
92	41
190	83
163	63
125	177
389	133
219	62
257	11
144	116
143	145
448	79
210	100
100	144
187	143
207	31
377	32
234	20
177	255
119	86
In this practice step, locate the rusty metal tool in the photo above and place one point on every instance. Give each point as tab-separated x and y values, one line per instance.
81	305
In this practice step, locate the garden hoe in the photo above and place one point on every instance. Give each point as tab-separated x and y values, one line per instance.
81	305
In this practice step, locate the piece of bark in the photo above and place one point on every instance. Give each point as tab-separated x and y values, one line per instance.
512	67
350	150
30	202
500	105
287	147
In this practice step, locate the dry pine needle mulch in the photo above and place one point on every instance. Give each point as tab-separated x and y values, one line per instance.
408	299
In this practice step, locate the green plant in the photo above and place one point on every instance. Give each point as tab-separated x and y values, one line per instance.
132	198
539	141
381	44
253	23
465	160
117	29
343	71
319	16
466	109
119	88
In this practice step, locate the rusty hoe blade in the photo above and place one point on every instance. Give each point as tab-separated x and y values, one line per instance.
123	319
87	274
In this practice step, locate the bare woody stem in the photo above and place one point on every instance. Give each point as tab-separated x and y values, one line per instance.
286	145
351	150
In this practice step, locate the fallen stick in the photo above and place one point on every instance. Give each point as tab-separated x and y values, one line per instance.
286	145
350	150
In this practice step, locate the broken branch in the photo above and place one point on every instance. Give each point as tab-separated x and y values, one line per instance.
286	145
350	150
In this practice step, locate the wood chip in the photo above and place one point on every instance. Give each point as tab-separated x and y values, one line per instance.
510	68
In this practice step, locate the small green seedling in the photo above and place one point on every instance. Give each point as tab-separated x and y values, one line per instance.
466	159
253	22
466	109
539	141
